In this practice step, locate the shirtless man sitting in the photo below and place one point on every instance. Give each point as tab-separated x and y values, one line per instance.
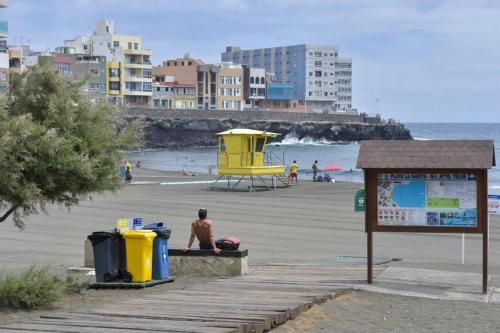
202	229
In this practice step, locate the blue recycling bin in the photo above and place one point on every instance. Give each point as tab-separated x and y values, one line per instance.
160	250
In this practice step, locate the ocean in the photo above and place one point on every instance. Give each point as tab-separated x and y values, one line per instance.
305	151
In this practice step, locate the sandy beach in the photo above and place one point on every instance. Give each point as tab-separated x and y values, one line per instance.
308	223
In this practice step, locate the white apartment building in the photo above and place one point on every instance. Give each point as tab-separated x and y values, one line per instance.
129	63
316	72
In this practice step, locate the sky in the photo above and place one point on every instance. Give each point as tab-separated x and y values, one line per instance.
413	60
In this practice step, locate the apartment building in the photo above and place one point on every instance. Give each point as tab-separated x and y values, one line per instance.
230	87
254	87
184	70
207	86
4	57
163	95
129	64
319	76
84	67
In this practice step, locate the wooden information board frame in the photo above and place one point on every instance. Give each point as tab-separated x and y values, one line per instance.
472	157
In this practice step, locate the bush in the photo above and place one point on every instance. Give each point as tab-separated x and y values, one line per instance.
35	288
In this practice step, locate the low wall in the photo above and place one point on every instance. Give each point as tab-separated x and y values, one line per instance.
248	116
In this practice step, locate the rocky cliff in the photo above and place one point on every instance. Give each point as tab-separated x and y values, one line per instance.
177	133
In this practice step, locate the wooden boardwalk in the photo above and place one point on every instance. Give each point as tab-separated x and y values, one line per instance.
258	302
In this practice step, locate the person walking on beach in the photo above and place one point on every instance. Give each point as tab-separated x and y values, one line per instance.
202	229
294	168
315	170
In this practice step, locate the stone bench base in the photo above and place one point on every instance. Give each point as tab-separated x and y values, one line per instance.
201	263
206	263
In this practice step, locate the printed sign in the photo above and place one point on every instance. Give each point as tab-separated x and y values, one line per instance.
359	200
440	200
494	203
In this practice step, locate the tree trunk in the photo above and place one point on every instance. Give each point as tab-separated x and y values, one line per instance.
7	213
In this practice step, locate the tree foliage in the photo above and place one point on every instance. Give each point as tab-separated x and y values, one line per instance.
55	145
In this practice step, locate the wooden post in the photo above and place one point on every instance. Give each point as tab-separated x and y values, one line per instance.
486	220
369	243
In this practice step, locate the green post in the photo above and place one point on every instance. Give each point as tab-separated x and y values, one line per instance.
359	200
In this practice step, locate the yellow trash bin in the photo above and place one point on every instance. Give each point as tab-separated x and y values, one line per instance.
139	250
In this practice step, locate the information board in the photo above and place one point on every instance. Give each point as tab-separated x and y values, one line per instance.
430	200
494	203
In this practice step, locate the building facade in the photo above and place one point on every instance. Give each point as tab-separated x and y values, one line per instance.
230	87
4	56
129	64
319	76
163	95
83	67
254	87
184	70
207	86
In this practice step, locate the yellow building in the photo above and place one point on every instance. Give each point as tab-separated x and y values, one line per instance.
184	96
241	152
115	81
129	64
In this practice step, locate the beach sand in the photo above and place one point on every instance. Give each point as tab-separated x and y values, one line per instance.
307	223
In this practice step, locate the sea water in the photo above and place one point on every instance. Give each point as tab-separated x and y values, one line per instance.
305	151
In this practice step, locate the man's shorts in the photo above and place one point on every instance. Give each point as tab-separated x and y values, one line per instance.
293	175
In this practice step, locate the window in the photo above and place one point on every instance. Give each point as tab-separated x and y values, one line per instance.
252	80
310	73
129	45
318	54
114	72
132	72
326	93
317	64
116	43
94	72
310	93
222	79
136	46
317	84
114	86
317	73
259	144
146	73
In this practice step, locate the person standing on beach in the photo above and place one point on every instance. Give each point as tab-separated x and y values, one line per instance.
128	171
315	169
202	229
294	168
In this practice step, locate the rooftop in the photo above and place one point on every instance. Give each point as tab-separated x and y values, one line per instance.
245	131
429	154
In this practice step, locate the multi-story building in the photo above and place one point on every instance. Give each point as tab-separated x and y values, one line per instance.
319	76
207	86
184	70
79	67
4	57
184	96
163	95
129	65
230	87
254	87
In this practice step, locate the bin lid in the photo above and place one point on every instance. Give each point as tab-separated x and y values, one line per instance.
159	229
139	234
97	235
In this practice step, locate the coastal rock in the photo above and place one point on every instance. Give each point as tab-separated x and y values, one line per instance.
178	133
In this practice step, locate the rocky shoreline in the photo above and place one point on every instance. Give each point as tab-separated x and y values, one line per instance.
180	133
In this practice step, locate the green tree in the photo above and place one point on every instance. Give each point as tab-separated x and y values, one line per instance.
56	147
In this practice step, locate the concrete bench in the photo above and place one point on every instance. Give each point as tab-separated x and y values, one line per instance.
207	263
204	263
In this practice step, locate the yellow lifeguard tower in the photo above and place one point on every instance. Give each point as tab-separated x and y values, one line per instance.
241	152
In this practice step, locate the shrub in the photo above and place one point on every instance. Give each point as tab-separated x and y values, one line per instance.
35	288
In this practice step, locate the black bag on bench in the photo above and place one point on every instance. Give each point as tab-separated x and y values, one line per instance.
228	243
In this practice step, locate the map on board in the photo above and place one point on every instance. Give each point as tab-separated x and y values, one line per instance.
443	200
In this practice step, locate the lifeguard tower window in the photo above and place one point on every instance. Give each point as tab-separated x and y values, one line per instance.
222	145
259	145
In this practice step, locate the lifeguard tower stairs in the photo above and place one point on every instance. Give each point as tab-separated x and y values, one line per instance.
242	154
